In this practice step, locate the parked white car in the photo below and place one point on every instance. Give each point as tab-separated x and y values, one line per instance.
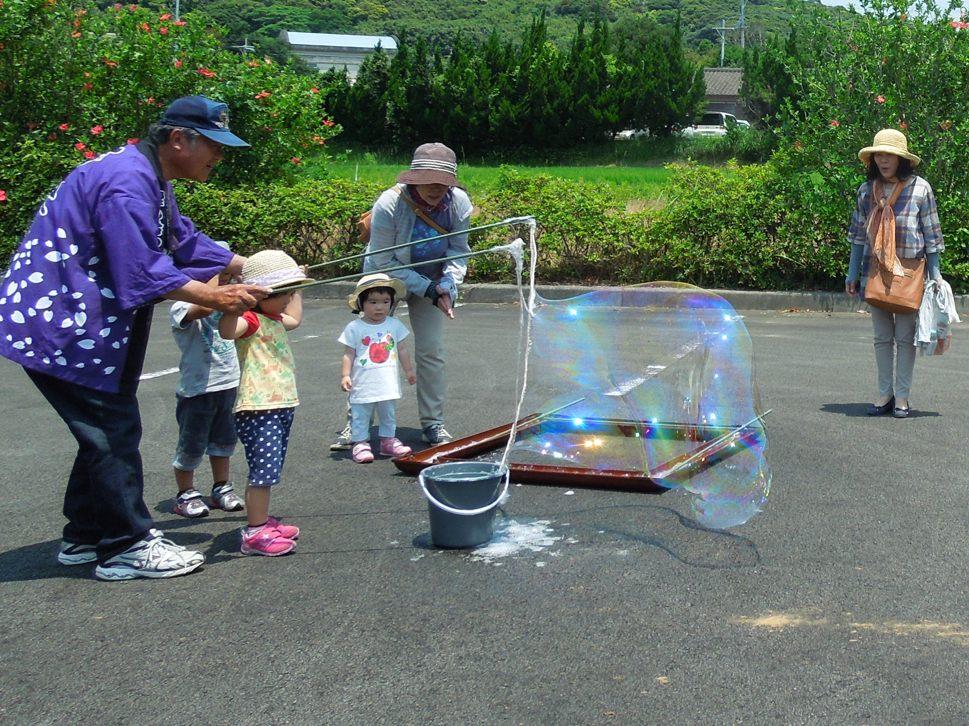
630	134
714	123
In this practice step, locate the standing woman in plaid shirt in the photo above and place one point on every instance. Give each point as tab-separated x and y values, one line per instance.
917	234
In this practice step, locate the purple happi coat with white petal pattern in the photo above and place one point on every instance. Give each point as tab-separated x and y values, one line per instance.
93	255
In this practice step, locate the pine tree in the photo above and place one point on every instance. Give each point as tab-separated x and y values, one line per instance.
365	118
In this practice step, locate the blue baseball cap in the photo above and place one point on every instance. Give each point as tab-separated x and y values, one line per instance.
210	118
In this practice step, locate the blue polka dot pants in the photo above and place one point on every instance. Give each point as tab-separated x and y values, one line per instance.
265	436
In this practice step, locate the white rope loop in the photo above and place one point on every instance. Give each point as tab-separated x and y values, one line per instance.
525	331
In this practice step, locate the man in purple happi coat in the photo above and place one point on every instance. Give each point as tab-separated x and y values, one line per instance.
75	312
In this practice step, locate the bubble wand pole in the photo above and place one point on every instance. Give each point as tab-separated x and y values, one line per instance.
671	468
502	223
354	276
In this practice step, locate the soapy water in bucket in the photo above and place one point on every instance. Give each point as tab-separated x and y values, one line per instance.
462	498
656	379
456	477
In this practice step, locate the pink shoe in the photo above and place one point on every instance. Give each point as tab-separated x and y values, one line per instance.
266	541
286	530
361	453
392	446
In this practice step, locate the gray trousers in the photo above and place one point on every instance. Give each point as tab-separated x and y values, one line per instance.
427	322
894	348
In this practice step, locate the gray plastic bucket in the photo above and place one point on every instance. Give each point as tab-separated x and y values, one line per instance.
461	499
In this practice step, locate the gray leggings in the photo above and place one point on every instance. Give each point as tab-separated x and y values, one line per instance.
894	347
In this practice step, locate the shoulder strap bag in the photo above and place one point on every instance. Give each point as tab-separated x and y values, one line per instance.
420	213
895	284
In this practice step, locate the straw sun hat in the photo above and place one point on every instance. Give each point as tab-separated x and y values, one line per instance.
889	141
272	268
368	282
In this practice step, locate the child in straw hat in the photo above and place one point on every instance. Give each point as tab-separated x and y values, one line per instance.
267	393
373	347
896	199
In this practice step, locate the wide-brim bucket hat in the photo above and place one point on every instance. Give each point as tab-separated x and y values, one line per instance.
272	268
889	141
376	279
432	164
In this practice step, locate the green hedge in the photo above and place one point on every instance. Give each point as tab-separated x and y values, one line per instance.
314	221
747	227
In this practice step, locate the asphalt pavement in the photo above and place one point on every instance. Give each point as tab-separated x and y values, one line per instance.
844	601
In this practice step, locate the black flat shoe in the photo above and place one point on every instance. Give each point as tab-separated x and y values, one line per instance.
900	412
884	410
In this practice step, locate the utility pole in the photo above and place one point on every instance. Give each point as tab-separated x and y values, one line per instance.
741	26
742	23
722	32
245	47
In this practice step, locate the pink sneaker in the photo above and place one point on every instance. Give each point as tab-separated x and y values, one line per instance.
286	530
266	541
392	446
361	453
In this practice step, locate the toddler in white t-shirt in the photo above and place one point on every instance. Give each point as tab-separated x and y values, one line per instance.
373	347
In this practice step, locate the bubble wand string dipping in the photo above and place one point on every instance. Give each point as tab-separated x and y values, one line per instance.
525	335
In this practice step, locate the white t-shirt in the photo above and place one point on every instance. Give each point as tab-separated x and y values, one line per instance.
374	374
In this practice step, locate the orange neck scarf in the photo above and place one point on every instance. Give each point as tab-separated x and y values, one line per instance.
881	227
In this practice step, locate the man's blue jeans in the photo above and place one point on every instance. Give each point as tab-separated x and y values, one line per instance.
104	502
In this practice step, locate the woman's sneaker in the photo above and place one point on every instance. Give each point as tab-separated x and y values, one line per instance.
343	441
225	498
73	553
191	504
152	557
392	446
436	434
266	541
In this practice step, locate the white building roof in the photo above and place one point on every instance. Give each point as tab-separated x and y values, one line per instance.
335	40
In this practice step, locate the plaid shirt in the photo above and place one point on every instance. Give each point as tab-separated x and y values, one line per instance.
917	229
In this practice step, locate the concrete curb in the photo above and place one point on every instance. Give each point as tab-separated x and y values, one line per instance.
818	300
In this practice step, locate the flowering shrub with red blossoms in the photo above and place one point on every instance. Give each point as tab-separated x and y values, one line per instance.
899	64
78	81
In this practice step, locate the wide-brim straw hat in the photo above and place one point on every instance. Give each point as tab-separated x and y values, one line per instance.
432	164
368	282
272	268
889	141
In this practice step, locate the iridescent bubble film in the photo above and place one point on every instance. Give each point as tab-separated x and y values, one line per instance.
657	380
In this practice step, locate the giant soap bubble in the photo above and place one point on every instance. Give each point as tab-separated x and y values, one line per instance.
655	379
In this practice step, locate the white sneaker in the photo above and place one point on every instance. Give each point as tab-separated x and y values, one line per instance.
153	557
342	442
191	504
76	554
224	497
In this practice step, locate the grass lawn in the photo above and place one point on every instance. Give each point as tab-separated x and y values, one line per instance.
629	182
632	168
